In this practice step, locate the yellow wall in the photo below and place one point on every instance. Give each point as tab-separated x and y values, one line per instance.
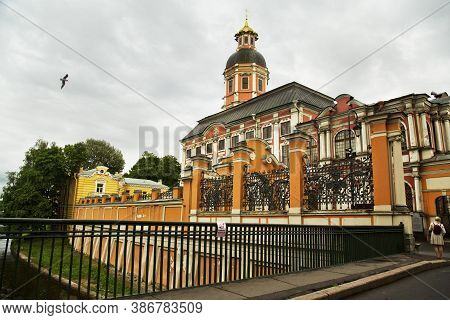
87	185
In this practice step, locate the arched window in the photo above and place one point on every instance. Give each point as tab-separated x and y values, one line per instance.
341	142
311	151
404	138
409	197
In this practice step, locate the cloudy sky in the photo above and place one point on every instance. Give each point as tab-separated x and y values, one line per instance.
173	53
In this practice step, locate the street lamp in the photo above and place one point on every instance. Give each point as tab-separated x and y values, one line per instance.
357	128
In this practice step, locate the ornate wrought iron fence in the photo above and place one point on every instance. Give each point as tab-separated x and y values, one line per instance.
216	194
92	259
266	191
339	185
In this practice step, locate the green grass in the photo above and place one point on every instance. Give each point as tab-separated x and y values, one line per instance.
74	272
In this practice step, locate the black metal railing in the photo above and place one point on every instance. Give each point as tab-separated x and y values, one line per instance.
266	191
166	195
216	194
60	259
339	185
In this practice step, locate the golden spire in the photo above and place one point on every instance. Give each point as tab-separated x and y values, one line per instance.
246	28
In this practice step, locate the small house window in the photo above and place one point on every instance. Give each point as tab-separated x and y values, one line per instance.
221	145
244	83
230	86
198	150
188	153
260	84
234	141
252	41
245	40
249	134
267	132
404	138
209	148
285	128
240	41
100	188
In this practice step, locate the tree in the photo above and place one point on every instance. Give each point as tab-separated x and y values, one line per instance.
35	191
151	167
147	167
102	153
169	170
76	157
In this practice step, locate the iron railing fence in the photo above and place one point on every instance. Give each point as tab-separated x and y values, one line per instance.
166	195
93	259
216	194
341	184
266	191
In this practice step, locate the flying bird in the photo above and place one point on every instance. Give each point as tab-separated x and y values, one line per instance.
64	80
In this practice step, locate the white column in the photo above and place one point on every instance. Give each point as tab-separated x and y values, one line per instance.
322	145
276	139
242	135
398	174
328	147
363	137
236	87
214	147
253	81
227	145
438	135
426	137
294	118
418	191
447	134
203	148
257	129
412	130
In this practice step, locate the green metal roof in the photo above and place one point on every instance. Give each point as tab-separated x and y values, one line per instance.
270	101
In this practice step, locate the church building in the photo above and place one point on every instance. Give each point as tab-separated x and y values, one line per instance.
337	127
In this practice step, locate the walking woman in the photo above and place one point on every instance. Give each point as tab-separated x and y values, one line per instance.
437	232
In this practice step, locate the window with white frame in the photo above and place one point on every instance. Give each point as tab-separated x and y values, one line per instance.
234	141
404	138
221	144
100	187
230	86
250	134
188	153
209	148
311	151
198	150
267	132
244	83
285	128
260	84
342	142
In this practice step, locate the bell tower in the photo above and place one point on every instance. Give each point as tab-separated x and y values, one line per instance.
246	75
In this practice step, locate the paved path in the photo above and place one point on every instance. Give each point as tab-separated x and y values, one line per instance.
428	250
289	285
428	285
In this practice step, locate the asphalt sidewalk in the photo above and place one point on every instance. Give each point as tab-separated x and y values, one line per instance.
339	278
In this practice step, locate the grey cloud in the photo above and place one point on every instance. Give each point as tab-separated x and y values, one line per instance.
174	52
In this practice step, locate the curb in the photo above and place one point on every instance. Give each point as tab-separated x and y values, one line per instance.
371	282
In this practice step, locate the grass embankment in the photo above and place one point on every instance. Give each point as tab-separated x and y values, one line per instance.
96	279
